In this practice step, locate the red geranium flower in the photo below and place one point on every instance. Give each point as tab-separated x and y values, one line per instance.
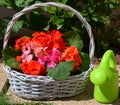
72	54
21	42
58	41
44	38
18	58
33	68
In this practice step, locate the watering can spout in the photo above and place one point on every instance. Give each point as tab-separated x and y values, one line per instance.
105	79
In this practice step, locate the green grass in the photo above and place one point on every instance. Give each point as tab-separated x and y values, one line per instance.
4	101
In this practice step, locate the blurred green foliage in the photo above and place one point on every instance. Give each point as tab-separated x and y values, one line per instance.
99	13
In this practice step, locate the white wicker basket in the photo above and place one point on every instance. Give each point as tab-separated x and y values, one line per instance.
44	87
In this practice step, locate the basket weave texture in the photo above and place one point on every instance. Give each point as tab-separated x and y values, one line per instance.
44	87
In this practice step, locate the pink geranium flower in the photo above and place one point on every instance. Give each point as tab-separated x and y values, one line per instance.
51	60
26	57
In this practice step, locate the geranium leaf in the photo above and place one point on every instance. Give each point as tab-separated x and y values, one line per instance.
72	38
18	25
85	61
9	55
61	71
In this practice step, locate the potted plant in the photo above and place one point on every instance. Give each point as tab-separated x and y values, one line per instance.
48	64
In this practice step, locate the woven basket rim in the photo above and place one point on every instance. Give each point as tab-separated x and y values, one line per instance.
15	73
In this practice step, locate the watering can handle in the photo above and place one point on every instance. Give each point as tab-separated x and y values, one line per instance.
108	60
99	75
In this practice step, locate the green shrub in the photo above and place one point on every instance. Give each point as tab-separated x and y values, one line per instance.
97	12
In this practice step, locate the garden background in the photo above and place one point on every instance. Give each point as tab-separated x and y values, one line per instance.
103	16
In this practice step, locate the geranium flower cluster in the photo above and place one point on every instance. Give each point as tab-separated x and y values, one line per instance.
45	49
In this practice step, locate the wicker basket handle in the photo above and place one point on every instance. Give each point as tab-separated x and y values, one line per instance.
49	4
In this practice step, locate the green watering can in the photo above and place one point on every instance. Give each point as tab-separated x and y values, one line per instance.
105	79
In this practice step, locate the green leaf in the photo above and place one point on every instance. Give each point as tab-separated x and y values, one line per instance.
69	14
7	3
18	25
19	3
9	55
85	61
59	26
105	20
23	3
64	1
95	17
51	10
46	28
75	29
3	24
56	20
3	3
74	39
61	71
